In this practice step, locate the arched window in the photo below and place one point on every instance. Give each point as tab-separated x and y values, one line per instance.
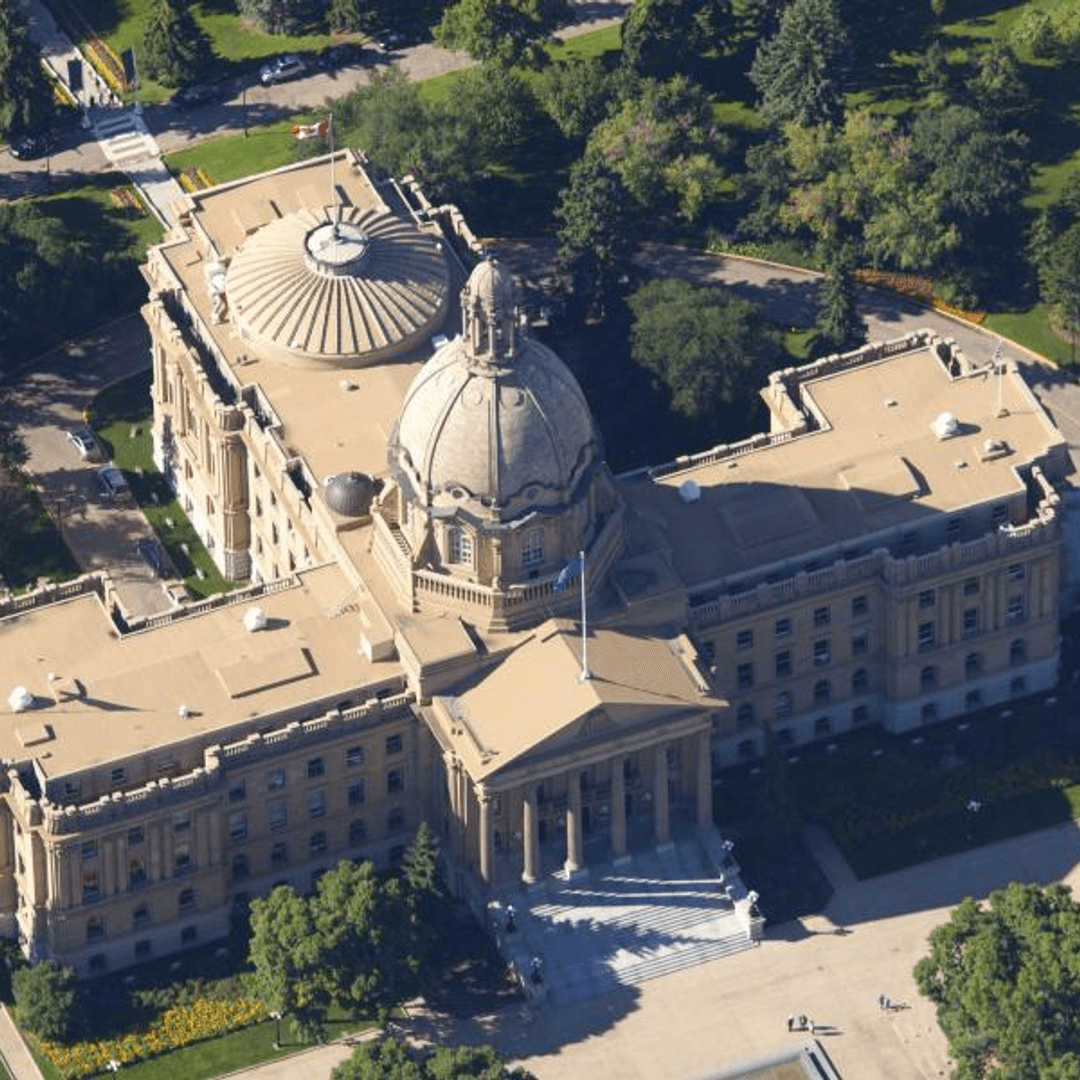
744	715
973	665
188	900
136	874
928	677
784	703
240	868
1018	652
860	681
461	546
95	928
822	691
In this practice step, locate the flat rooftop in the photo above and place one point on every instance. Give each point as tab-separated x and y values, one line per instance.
875	465
338	419
113	696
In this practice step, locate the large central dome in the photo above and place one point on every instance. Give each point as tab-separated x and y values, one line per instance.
494	422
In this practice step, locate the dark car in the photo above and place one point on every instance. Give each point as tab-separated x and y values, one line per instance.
150	552
31	146
191	97
346	54
112	481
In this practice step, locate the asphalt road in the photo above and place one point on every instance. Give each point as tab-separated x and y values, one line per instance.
47	401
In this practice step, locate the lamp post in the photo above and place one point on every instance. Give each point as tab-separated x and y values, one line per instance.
276	1017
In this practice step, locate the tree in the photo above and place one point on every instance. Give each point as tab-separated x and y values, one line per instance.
577	94
175	50
25	94
663	145
276	16
800	72
997	89
498	108
706	348
1005	977
289	952
391	1059
661	38
509	31
45	999
1058	268
597	235
839	325
381	1059
345	15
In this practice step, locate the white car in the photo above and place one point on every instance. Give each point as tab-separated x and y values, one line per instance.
85	444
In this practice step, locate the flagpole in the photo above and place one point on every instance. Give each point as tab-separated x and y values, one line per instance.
584	637
330	132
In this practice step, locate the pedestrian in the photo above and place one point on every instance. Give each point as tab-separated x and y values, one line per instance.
802	1023
811	1027
790	1023
888	1005
881	1001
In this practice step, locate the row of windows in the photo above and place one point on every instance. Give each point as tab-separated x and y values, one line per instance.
1015	613
784	704
144	948
783	663
460	547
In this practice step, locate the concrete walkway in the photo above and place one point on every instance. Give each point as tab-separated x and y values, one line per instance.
13	1050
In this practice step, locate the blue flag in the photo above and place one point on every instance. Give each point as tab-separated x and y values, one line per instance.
567	574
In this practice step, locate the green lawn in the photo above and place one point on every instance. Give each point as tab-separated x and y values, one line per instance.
234	156
34	548
121	417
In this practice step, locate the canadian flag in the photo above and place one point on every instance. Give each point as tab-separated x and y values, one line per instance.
311	131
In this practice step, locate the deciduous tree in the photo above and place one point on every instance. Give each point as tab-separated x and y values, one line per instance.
661	38
510	31
25	94
45	999
1005	977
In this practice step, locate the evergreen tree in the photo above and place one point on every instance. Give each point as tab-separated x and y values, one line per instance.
661	38
45	999
175	50
839	326
25	95
276	16
345	15
800	73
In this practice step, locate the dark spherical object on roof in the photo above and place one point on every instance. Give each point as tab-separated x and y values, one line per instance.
349	493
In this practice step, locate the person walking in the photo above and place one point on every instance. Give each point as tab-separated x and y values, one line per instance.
791	1023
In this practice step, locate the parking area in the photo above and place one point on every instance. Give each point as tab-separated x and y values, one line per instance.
102	530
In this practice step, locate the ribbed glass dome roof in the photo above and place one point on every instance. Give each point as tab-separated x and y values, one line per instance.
351	292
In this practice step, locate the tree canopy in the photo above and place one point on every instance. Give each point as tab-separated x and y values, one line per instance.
660	37
360	940
509	31
175	50
708	348
1005	977
800	72
391	1059
25	94
45	998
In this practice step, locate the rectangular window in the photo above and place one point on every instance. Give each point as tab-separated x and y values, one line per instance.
317	842
395	822
953	530
821	616
354	755
181	823
182	859
783	627
860	606
744	639
395	782
1015	572
783	664
532	550
91	890
315	768
860	714
860	643
926	599
822	652
135	836
238	792
1015	612
744	676
356	793
89	849
999	516
971	586
971	622
316	804
238	828
118	777
279	855
279	816
926	636
275	779
72	789
357	831
393	745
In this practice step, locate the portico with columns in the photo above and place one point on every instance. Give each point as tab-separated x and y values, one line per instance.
599	764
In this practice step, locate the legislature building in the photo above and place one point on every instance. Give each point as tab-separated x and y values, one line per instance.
411	492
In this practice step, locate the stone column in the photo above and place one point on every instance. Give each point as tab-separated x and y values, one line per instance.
530	836
574	861
704	779
660	795
155	870
618	808
108	868
483	798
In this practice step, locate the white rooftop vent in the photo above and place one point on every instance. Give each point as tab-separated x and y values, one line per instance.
20	699
945	426
183	712
689	491
254	619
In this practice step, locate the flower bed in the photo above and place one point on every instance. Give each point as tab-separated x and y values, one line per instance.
917	288
178	1026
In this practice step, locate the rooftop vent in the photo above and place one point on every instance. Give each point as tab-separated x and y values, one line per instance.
254	619
689	491
20	699
945	425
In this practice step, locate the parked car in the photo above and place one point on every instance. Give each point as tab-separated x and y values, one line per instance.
31	146
346	54
149	550
112	481
190	97
86	445
281	69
